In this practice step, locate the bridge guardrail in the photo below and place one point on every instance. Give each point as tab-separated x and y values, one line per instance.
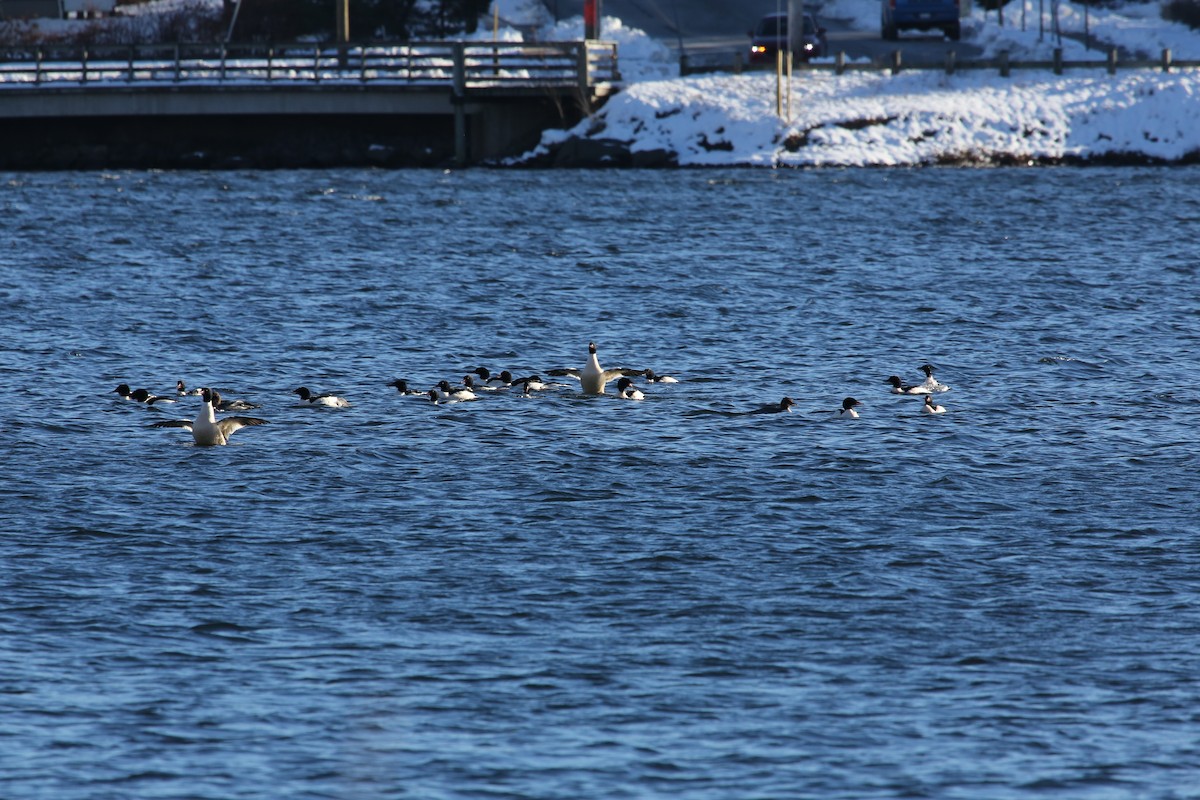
463	65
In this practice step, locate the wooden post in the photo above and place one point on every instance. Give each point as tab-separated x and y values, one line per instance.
270	62
789	86
895	62
131	51
460	109
737	63
83	66
840	63
1112	61
683	66
224	55
951	58
37	74
1058	61
1166	59
1005	71
778	83
177	67
317	64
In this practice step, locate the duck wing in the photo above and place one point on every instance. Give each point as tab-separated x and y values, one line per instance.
608	374
230	424
186	424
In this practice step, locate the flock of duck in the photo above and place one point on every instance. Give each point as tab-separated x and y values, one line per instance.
207	429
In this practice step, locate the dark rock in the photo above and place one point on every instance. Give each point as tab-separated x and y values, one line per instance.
654	159
579	152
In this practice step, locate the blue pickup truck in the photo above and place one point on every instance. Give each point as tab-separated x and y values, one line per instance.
922	15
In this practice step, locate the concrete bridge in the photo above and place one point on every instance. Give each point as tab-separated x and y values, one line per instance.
313	104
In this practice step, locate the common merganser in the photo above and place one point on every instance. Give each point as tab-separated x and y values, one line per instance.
144	396
592	377
308	398
402	387
533	383
847	411
899	387
626	389
931	383
206	429
502	381
183	391
652	378
448	394
931	407
783	406
231	405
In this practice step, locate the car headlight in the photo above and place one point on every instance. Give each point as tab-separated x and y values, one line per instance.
757	48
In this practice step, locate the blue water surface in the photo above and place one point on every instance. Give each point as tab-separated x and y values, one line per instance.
563	596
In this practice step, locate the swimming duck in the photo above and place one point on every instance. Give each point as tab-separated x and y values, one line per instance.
931	383
183	391
206	429
308	398
491	382
592	377
231	405
626	389
144	396
448	394
899	387
783	406
652	378
847	411
402	387
931	407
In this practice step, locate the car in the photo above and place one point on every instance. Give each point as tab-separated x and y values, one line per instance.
771	34
922	15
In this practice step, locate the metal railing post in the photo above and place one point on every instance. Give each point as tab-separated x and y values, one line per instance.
584	79
459	98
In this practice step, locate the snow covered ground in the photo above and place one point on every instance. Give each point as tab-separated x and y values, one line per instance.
875	118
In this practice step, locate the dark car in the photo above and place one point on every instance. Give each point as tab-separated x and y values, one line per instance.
919	14
771	35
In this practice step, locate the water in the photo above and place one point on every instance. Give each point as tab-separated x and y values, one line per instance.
570	597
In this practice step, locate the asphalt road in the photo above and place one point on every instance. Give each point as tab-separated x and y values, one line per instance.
712	31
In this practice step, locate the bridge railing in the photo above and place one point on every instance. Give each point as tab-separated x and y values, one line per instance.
467	65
